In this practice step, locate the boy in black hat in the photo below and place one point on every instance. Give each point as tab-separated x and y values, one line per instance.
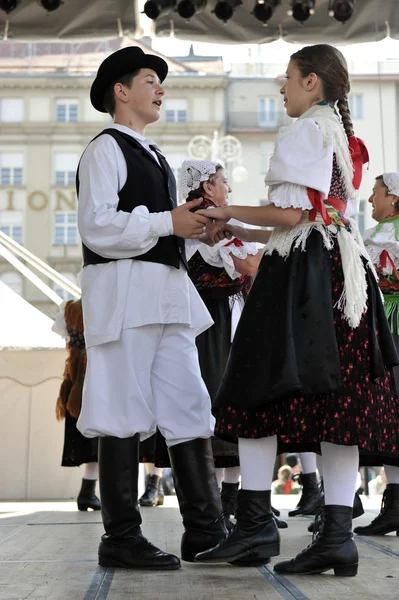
141	315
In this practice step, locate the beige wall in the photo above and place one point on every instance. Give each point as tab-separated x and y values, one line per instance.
31	440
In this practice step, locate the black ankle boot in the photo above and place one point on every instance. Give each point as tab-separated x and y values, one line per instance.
358	511
153	495
228	496
255	534
388	519
123	544
198	495
332	548
311	500
280	523
87	497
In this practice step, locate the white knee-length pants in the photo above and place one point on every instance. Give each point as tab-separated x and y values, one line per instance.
149	378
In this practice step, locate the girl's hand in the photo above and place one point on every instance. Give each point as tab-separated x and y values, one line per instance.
221	213
242	233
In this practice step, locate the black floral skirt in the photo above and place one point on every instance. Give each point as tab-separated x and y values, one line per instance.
77	448
297	370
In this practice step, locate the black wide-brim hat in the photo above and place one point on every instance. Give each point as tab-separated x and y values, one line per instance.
123	62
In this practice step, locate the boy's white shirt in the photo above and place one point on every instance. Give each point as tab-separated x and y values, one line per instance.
125	293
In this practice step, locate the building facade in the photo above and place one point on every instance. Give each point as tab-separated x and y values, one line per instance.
46	121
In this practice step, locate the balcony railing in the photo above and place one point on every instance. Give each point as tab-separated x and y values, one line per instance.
257	121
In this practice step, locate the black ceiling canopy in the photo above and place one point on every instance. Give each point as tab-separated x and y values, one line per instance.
99	19
371	21
73	19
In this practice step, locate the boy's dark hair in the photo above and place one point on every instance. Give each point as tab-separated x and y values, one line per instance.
109	96
330	65
199	192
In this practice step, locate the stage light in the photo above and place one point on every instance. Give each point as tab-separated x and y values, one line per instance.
8	5
189	8
154	8
342	10
224	9
302	9
264	9
51	5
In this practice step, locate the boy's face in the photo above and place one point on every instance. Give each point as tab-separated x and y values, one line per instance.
144	97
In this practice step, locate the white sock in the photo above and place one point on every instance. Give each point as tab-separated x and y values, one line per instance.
340	466
151	469
219	476
257	458
91	471
232	474
392	474
308	461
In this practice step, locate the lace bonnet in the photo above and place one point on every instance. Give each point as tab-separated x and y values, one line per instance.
193	173
391	180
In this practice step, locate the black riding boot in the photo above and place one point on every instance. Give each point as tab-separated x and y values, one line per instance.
358	511
87	497
332	548
123	544
388	519
311	500
255	534
153	494
198	495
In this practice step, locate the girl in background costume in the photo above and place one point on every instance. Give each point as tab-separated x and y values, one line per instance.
78	449
309	367
222	275
382	243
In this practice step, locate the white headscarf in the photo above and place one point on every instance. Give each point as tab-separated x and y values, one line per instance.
193	173
391	180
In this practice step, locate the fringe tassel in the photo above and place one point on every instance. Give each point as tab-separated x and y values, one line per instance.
353	300
283	239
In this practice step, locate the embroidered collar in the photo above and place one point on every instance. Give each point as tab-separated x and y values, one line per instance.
392	218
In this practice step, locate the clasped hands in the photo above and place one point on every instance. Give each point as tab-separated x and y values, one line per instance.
208	226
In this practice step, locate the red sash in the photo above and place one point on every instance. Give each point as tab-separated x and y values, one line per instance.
360	156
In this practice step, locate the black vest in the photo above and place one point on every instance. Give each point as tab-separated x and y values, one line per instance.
152	185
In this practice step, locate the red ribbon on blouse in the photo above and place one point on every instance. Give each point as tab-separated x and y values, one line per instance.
384	257
360	156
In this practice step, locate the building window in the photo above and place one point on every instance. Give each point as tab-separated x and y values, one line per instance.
361	216
176	111
267	112
60	290
67	111
11	110
13	280
11	223
356	106
11	168
65	168
65	228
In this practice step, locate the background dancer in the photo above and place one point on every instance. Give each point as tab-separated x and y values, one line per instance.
382	243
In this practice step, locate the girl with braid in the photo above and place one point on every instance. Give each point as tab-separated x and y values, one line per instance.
310	365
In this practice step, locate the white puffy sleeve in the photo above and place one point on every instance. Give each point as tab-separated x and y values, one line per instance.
59	325
300	161
377	242
220	255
